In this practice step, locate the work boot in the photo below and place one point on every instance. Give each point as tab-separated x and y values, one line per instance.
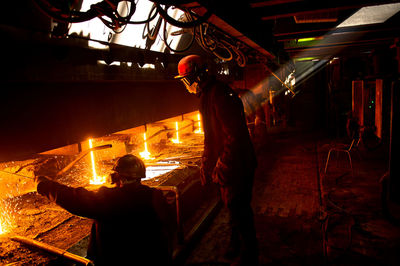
248	256
246	259
232	251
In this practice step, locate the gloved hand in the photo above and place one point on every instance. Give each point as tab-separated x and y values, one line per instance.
220	173
40	178
41	183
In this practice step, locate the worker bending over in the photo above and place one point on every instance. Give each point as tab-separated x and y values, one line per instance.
131	224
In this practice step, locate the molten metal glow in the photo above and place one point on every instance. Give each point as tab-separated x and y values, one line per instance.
198	130
177	134
154	171
145	154
96	180
5	219
2	230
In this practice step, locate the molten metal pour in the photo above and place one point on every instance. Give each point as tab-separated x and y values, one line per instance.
198	130
96	180
145	154
176	141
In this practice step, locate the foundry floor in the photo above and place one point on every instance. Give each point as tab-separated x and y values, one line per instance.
297	206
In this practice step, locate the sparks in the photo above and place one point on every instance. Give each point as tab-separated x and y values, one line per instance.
176	141
5	218
2	231
145	154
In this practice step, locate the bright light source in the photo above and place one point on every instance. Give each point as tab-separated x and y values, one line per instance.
154	171
132	34
151	66
114	63
304	59
371	15
93	28
5	219
306	39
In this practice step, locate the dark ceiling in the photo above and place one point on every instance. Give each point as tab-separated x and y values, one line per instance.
277	25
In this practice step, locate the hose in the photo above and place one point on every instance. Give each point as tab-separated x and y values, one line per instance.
164	14
209	38
240	57
169	46
224	58
152	36
210	43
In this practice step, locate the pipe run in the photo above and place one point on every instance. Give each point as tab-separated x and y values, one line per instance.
51	249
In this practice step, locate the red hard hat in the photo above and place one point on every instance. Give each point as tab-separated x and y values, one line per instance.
189	65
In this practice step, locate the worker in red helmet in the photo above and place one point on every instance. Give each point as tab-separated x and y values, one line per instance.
131	221
228	158
192	70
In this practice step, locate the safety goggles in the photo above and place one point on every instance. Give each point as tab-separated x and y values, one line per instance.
187	81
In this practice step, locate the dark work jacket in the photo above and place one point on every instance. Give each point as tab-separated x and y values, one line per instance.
129	222
228	149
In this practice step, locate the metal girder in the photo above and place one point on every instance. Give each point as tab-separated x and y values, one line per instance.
284	9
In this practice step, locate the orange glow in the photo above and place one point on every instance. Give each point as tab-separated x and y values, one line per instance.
96	180
177	134
2	230
5	219
145	154
198	130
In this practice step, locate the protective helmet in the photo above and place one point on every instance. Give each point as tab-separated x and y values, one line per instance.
130	167
189	65
191	71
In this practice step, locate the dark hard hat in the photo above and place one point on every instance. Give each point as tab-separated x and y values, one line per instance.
130	166
189	65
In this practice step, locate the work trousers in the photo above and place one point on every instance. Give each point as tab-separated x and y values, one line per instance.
238	202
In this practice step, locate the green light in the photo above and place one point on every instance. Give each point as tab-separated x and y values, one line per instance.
305	59
306	39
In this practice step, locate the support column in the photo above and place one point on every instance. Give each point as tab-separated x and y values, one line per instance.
394	162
